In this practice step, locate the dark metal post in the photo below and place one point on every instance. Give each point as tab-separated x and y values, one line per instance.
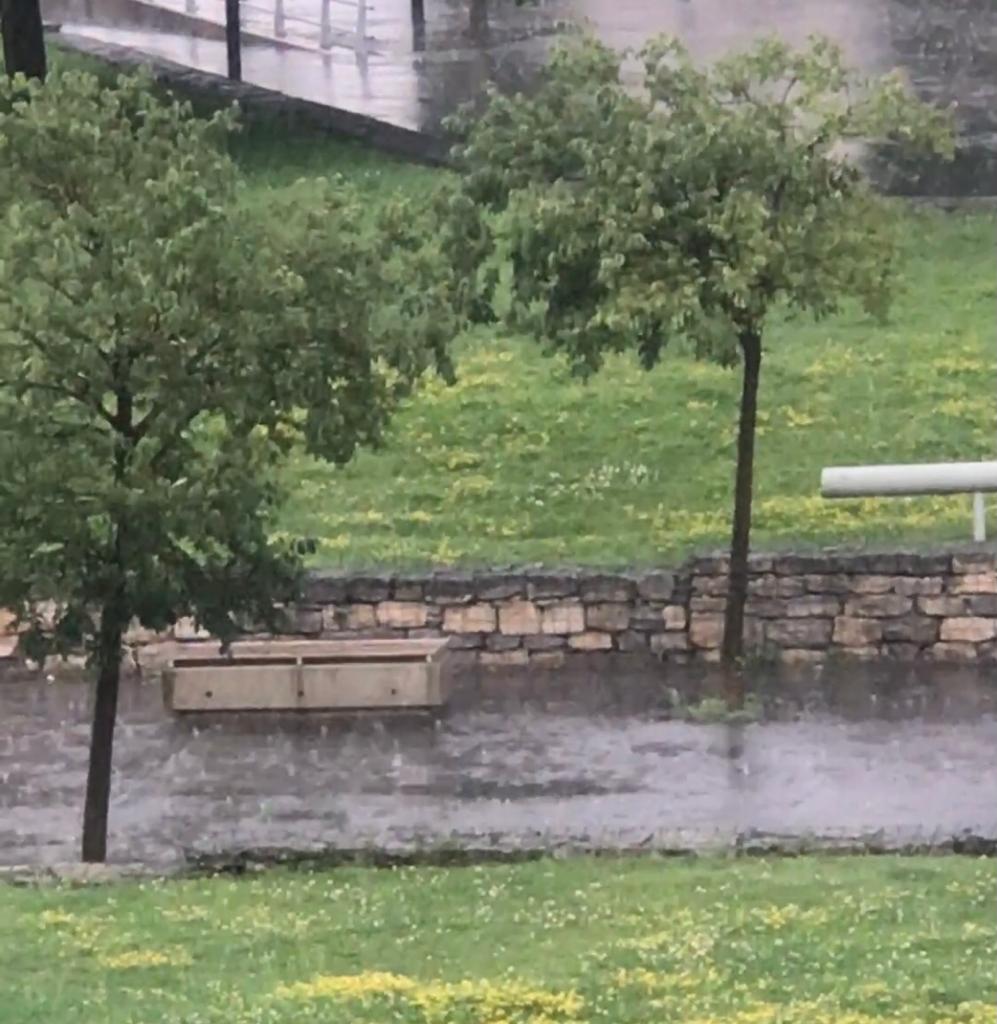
418	25
233	40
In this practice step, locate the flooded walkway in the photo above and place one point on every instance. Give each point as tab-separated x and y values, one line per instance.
914	767
412	63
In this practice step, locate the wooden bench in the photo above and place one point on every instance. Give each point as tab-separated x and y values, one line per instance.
307	675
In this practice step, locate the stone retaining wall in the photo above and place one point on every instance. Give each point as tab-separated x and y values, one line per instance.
802	609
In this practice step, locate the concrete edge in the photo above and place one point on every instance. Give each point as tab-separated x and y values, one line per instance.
254	861
259	103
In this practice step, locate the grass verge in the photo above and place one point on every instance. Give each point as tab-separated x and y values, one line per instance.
813	940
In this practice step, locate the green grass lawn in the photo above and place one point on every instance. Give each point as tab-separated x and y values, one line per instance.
804	941
523	462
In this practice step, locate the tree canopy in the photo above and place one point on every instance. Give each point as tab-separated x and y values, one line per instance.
163	346
608	211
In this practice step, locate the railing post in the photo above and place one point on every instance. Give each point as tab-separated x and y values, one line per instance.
325	39
279	28
418	25
361	22
233	40
979	518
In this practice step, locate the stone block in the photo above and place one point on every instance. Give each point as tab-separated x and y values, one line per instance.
8	645
674	617
326	588
668	643
803	565
878	606
548	585
610	617
767	607
828	583
8	622
470	618
912	629
360	616
813	606
563	618
610	589
503	659
369	589
710	586
466	641
973	563
711	565
450	588
590	641
629	641
332	619
850	632
799	633
970	629
427	633
873	584
943	606
409	589
544	643
707	604
961	652
646	617
656	586
304	621
547	659
910	586
982	604
918	564
519	617
402	614
498	642
974	583
706	631
501	588
775	586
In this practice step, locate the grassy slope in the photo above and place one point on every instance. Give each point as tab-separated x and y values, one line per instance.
522	462
808	941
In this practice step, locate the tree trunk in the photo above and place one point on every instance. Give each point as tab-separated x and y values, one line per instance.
23	38
732	650
105	712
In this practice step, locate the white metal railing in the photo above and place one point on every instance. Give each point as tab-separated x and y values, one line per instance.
323	28
976	478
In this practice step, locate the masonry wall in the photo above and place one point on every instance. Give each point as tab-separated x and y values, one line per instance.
802	609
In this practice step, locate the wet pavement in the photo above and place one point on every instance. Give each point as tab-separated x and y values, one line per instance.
413	71
909	765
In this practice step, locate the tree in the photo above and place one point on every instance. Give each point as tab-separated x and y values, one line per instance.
163	347
684	213
23	38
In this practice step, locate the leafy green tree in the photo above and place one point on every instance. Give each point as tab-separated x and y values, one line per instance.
23	38
163	347
602	216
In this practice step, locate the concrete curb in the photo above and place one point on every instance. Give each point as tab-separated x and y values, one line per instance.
258	103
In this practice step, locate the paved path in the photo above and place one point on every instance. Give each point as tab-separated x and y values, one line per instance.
506	780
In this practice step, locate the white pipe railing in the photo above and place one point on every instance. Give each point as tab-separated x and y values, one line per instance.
976	478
